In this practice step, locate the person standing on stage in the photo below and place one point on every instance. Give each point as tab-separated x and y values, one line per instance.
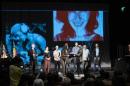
47	60
75	49
78	59
85	56
57	55
97	56
3	52
64	56
75	52
33	59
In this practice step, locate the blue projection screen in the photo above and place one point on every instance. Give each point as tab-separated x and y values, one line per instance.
78	26
21	29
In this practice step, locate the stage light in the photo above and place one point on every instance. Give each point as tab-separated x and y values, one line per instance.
123	8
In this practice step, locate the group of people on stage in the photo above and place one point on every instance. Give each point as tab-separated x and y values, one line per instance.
65	57
77	55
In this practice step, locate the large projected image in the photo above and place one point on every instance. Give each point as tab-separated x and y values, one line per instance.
26	32
22	37
78	26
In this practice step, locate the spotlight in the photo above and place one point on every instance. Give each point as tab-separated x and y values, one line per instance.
123	8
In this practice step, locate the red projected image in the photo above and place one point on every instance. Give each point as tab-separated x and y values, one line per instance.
78	26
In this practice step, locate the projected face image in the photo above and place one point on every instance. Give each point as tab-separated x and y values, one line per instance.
79	26
78	18
78	21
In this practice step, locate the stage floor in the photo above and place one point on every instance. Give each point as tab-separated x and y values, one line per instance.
73	69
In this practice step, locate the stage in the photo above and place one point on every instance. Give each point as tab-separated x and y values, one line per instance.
72	69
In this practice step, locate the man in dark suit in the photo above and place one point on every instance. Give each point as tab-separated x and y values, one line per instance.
32	54
97	57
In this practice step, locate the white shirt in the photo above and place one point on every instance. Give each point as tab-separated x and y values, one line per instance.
56	55
85	54
97	51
